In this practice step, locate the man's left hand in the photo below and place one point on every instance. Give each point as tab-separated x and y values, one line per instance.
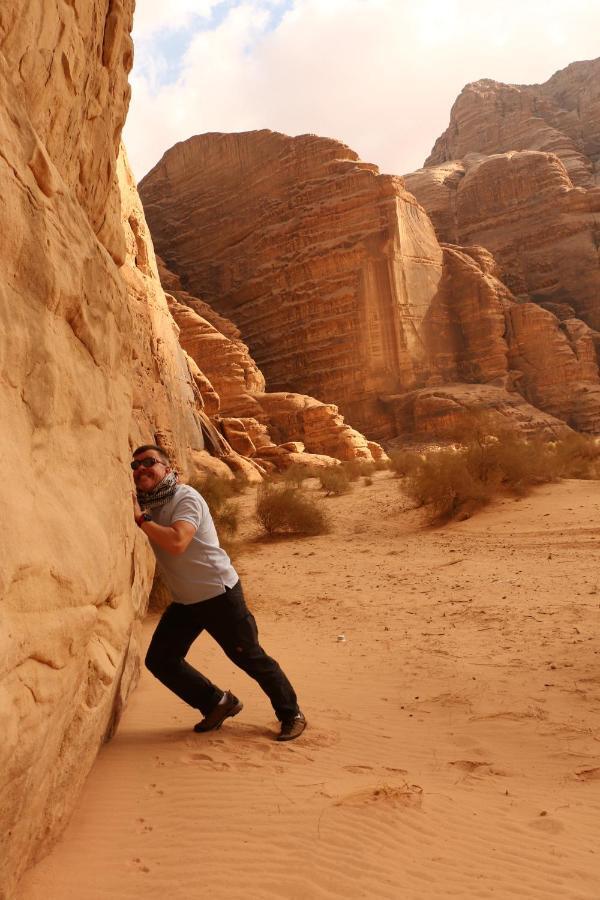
137	510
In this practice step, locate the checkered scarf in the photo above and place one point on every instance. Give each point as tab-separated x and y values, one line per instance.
161	494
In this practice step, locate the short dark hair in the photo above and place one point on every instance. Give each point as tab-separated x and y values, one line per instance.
156	448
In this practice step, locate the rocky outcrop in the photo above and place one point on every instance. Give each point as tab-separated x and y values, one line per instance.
522	206
517	171
232	387
90	366
70	66
561	116
339	286
325	266
431	412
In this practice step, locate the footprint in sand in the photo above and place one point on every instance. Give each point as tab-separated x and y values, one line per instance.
588	774
358	770
545	823
468	765
145	827
204	757
402	795
139	864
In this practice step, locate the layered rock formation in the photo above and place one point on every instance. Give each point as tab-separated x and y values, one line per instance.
256	423
336	280
517	172
322	264
89	367
561	116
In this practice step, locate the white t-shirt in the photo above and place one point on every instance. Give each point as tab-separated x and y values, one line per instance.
204	570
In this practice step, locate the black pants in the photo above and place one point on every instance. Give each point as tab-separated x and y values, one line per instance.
229	621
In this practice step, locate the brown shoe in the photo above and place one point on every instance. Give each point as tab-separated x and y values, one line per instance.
215	718
292	728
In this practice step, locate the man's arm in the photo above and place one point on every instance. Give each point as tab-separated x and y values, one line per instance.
175	538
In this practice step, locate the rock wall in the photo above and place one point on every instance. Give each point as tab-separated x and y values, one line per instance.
253	421
89	367
561	116
517	171
338	284
326	267
523	207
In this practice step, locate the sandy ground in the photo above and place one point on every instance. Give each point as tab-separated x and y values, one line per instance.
453	741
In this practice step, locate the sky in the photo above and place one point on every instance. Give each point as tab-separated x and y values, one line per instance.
378	75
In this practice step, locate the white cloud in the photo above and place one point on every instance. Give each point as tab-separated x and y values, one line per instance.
380	75
155	16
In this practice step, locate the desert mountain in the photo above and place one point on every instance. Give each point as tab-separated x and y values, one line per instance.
340	287
517	171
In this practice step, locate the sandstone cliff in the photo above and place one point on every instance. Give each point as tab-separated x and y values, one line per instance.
255	423
561	116
517	171
336	280
89	367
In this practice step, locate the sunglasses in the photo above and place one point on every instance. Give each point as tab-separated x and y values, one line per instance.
147	462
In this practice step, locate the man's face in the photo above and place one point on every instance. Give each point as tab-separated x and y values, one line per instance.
147	477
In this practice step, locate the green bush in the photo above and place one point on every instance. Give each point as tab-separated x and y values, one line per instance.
282	509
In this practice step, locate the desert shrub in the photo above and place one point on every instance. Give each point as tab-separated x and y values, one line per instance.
477	427
354	468
282	509
577	456
239	483
403	462
442	481
367	481
295	475
380	465
218	493
457	481
335	480
215	490
511	462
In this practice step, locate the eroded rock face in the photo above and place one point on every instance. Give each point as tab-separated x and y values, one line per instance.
90	367
522	206
517	171
561	116
325	266
337	282
70	63
430	412
233	392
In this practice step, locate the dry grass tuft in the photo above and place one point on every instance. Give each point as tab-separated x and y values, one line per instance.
577	456
282	509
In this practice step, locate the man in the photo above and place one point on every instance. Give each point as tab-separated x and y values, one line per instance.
207	595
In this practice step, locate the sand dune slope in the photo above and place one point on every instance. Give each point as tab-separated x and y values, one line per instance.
453	742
